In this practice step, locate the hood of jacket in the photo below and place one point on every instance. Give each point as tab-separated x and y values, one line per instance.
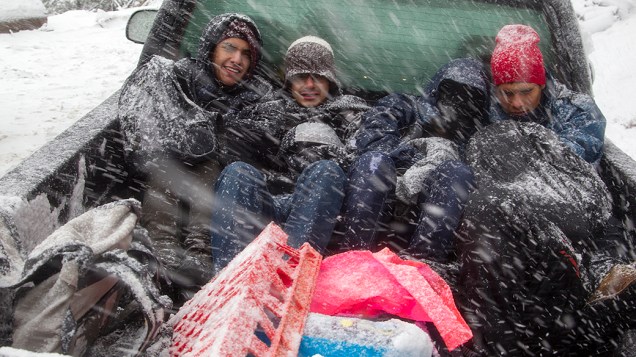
197	75
468	71
214	31
463	72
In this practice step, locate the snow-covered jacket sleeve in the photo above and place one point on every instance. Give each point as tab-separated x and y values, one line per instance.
158	119
579	123
383	127
324	132
435	151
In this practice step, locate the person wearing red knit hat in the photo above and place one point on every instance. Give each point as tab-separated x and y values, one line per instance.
526	92
517	69
539	269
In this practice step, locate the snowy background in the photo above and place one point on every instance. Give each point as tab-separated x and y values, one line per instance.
51	77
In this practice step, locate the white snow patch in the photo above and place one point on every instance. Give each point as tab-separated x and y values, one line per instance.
21	9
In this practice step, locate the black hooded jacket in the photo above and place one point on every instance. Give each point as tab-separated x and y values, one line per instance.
461	83
174	110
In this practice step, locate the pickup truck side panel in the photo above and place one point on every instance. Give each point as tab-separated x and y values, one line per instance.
84	166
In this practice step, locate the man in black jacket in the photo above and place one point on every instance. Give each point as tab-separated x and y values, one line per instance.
172	115
533	226
289	156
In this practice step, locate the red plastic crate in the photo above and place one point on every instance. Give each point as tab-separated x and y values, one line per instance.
256	306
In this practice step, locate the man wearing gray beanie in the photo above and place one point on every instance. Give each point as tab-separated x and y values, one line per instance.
291	156
310	71
309	120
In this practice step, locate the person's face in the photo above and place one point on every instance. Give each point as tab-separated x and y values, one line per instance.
231	59
519	98
309	90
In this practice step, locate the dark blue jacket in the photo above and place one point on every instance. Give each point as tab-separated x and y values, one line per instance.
399	117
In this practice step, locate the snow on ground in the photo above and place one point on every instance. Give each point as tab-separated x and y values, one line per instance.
614	60
609	25
53	76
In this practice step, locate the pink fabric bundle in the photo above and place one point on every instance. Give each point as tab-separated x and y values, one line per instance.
361	283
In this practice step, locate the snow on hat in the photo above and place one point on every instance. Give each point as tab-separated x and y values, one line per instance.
517	57
310	55
240	29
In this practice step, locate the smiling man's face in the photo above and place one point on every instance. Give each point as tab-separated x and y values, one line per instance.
309	90
231	59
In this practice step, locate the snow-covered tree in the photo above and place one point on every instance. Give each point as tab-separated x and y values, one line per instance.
60	6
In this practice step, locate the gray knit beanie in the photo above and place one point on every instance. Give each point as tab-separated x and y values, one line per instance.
311	55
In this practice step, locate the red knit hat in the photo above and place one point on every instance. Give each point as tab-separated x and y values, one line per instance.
517	57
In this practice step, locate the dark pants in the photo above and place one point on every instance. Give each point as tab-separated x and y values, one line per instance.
442	203
365	210
243	207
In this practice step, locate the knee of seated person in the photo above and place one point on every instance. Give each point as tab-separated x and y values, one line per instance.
376	169
372	163
241	171
457	170
376	159
323	175
324	167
